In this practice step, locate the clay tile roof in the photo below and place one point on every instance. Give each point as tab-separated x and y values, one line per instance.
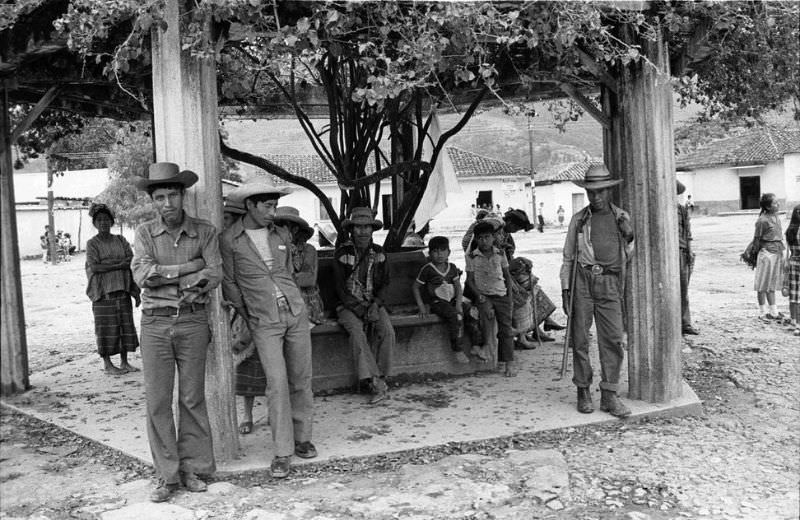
466	164
757	147
469	164
573	171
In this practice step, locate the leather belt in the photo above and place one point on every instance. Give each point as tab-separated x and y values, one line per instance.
597	269
174	311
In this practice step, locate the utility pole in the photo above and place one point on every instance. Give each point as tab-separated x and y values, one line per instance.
530	165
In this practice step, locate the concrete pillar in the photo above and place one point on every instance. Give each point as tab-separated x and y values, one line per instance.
639	148
186	125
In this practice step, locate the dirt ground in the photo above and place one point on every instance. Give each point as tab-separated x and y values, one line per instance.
740	459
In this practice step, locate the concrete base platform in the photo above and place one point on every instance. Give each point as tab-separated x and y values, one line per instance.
80	397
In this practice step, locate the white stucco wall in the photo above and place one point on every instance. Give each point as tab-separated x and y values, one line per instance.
791	165
718	188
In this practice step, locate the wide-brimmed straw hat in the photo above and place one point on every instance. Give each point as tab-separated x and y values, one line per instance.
165	173
362	216
290	214
236	208
258	187
597	177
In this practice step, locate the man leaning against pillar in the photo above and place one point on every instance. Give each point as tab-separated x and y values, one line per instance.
176	262
600	240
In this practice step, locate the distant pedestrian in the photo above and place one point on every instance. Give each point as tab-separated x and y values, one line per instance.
560	212
689	204
770	257
686	263
473	211
540	218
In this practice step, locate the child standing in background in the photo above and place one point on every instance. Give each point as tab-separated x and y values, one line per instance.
441	281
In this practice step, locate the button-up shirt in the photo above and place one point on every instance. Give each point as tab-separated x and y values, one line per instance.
580	232
247	281
488	271
159	256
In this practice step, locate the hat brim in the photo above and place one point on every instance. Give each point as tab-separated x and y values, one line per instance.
300	221
246	191
187	178
375	223
234	210
597	185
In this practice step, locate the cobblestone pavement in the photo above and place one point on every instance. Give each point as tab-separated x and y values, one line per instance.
738	460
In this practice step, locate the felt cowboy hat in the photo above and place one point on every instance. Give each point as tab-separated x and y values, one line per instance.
680	187
237	208
597	177
520	218
362	216
258	187
290	214
165	173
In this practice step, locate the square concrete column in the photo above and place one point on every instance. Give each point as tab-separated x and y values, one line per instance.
186	132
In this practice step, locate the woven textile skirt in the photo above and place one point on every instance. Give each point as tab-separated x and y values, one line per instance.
250	377
793	274
768	272
113	325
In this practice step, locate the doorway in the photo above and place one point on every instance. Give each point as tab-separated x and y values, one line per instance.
749	192
484	199
386	213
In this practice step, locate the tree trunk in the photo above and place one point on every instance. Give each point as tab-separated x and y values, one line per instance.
186	131
639	148
13	342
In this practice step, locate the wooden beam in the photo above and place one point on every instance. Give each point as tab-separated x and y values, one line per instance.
35	112
13	342
597	70
586	104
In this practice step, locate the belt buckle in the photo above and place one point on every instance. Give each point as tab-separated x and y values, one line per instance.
177	312
597	269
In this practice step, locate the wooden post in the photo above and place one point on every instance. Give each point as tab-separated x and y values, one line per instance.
51	219
185	124
13	342
639	148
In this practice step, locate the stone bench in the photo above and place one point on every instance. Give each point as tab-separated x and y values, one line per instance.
423	345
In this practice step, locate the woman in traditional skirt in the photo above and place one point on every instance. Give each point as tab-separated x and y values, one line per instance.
770	257
111	287
792	284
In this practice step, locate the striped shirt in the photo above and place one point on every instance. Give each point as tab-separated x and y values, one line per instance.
159	256
111	251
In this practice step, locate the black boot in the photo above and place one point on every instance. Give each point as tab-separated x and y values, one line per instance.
585	400
609	402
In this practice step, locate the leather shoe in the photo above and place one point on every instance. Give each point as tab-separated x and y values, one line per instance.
552	325
688	329
585	400
192	483
163	492
538	334
609	402
279	467
305	450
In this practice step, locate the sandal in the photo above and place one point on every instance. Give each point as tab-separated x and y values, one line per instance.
246	427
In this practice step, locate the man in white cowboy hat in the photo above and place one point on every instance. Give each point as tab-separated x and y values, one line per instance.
176	262
686	262
258	280
596	253
361	272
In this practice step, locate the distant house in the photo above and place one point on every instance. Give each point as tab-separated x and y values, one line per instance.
72	192
554	187
482	180
731	174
